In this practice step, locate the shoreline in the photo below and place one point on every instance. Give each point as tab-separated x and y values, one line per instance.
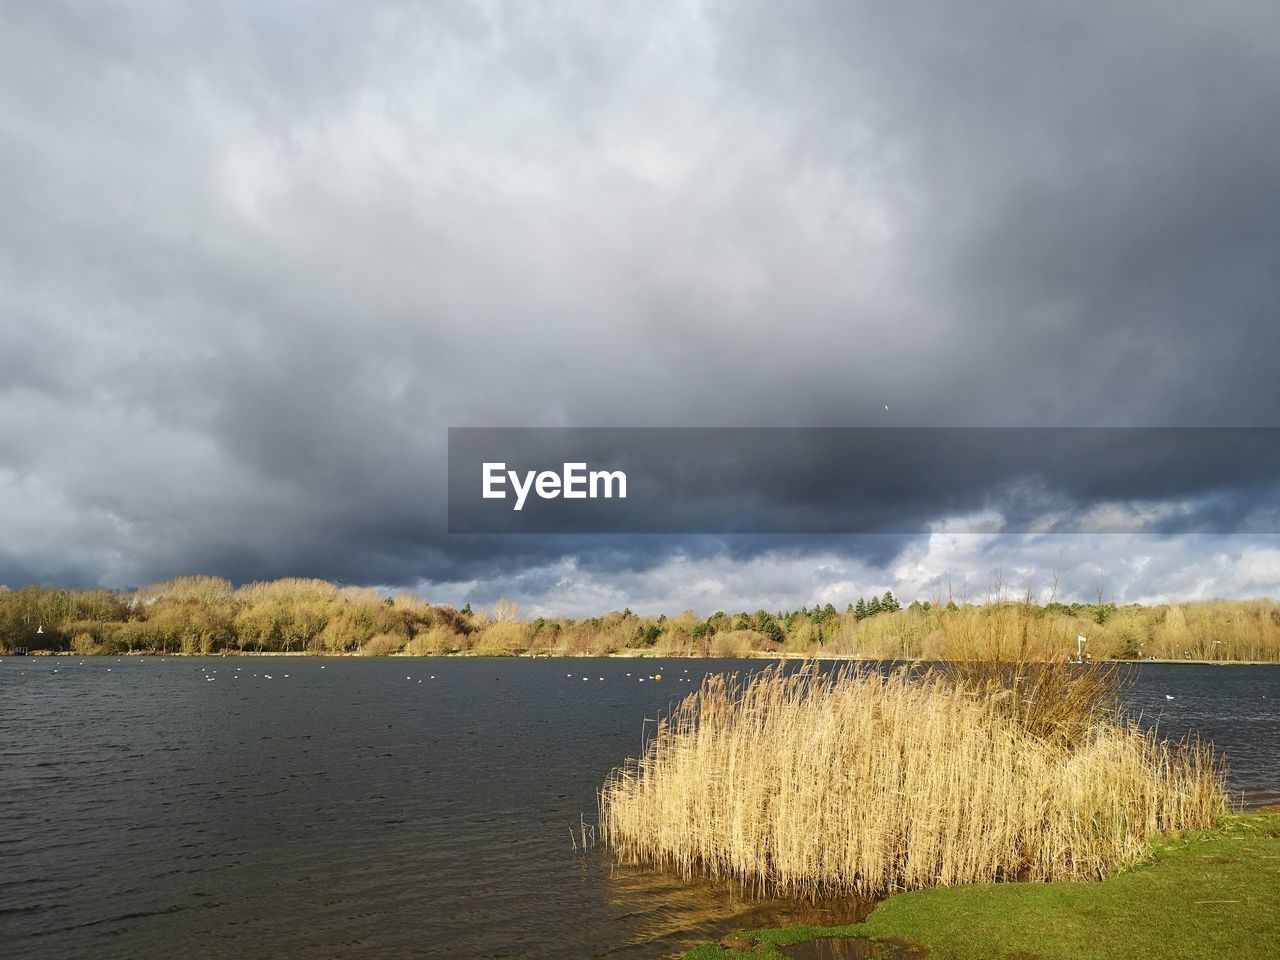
1216	887
754	655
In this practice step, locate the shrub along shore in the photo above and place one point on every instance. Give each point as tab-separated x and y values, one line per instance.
995	794
850	782
207	615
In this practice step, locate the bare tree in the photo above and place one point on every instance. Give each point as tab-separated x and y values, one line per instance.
996	585
504	610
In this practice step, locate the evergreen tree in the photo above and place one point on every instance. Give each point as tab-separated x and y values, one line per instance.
860	611
769	627
873	607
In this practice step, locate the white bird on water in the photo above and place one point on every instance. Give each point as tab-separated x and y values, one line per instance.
1168	696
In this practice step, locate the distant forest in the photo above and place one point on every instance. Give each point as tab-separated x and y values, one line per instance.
207	615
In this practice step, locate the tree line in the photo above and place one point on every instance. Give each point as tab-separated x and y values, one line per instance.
208	615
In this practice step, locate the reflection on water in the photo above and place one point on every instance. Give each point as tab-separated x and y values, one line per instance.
361	808
670	915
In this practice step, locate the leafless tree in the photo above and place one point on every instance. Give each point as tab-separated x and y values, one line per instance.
996	585
504	610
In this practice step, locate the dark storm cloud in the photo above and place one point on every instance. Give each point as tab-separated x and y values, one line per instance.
255	259
1094	197
862	479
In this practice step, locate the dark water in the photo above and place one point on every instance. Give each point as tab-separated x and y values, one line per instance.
361	808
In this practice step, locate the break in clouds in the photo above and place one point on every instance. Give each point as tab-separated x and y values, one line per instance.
256	259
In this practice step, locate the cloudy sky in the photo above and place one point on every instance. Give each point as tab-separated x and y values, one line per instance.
255	259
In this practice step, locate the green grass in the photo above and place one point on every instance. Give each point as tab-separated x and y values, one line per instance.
1201	895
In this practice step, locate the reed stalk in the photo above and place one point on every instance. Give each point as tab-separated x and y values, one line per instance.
853	782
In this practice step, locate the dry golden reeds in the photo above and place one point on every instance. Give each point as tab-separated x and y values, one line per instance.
854	782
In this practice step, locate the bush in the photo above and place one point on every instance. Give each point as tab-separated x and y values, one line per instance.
856	783
434	642
84	644
736	643
503	639
382	645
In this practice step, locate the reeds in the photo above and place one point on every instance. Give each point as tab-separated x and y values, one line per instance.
854	782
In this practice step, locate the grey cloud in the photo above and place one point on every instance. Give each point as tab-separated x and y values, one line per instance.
256	259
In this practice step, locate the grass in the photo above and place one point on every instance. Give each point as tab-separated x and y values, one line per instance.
1198	895
851	782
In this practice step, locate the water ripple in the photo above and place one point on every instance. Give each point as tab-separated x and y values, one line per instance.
345	813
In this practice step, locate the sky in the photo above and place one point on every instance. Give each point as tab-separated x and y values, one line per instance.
255	259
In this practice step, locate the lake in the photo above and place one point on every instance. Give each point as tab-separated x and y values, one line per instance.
390	807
